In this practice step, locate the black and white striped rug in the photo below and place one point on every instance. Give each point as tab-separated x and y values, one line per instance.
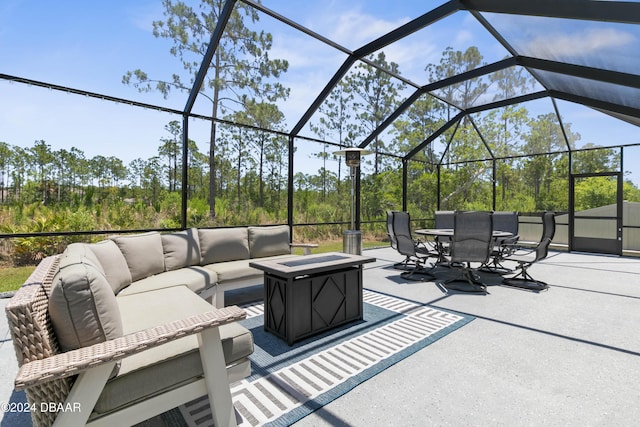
289	382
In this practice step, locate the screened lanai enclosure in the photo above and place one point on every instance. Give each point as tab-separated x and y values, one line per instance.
166	115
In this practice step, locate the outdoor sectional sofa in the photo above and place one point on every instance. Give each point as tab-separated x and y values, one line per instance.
118	331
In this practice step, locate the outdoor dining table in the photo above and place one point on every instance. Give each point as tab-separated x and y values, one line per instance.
444	235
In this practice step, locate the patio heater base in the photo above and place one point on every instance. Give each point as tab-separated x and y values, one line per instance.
352	242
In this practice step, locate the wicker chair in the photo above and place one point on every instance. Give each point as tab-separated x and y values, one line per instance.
73	380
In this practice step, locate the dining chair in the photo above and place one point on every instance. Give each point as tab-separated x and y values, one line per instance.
416	253
526	258
503	246
393	241
443	219
471	243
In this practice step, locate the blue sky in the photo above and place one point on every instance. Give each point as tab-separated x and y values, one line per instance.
90	45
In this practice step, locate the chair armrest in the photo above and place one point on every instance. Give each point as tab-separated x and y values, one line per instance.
73	362
306	247
507	245
426	247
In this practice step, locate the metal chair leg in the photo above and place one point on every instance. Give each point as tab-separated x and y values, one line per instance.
525	281
468	281
424	275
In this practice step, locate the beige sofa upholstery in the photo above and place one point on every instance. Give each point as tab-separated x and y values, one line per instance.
149	372
122	287
207	261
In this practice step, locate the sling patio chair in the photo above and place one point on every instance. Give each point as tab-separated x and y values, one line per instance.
443	220
416	253
526	258
471	243
503	246
393	241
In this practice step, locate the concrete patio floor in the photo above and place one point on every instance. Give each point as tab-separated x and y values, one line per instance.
569	356
565	357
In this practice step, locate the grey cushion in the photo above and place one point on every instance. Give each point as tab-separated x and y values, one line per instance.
143	253
77	252
161	368
223	244
113	263
269	241
181	249
235	270
195	278
82	304
239	270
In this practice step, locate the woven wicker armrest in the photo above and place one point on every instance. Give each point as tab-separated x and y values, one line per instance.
73	362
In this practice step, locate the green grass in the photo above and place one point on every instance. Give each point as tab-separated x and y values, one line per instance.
11	278
336	246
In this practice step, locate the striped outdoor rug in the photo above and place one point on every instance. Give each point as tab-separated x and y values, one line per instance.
288	383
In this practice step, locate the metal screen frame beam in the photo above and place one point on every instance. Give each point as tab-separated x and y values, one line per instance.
433	136
346	65
591	73
596	103
359	54
458	78
208	56
623	12
409	28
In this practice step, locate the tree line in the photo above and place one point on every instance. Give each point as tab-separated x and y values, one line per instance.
242	179
243	86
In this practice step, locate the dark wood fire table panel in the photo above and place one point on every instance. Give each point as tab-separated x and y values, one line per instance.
307	295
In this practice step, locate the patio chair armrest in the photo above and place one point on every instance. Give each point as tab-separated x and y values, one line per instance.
517	251
73	362
426	247
508	245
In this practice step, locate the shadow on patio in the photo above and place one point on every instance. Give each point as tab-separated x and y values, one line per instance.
567	356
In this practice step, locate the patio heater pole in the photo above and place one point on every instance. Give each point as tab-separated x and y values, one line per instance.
352	238
353	197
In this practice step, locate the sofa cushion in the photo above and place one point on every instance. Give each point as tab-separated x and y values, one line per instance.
181	249
239	270
223	244
234	270
174	362
82	305
269	241
113	263
143	253
77	252
195	278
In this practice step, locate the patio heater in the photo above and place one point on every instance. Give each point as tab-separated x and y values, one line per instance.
352	238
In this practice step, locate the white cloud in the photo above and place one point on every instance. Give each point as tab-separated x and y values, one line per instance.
142	15
465	37
583	43
303	51
412	56
353	29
